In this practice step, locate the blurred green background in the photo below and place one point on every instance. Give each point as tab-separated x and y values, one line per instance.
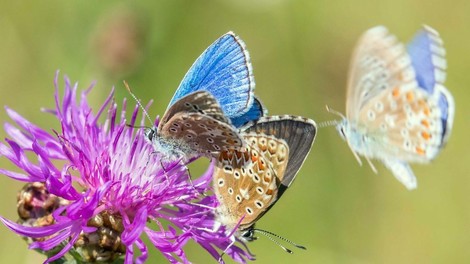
300	50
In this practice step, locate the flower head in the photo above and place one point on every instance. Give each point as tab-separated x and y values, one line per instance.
96	184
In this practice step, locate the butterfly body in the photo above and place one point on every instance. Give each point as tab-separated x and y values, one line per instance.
248	183
398	110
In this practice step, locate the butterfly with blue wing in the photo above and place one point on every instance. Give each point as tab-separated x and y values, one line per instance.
248	183
397	109
223	76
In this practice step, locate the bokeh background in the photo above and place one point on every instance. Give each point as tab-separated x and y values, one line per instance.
300	50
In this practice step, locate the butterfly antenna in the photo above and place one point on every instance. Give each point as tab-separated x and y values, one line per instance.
328	123
138	101
331	122
270	235
331	110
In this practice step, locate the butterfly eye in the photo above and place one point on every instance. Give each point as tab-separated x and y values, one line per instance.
248	235
342	132
150	133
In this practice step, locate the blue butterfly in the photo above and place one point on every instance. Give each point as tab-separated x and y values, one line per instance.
397	108
215	96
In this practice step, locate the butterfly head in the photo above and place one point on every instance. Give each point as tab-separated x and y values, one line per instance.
150	133
343	129
247	234
350	133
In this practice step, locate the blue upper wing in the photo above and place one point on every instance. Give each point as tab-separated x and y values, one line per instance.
428	58
256	111
223	69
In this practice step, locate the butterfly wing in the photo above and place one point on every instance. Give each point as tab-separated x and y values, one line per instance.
224	69
400	119
196	102
246	183
402	172
298	133
200	133
197	122
379	63
256	111
428	59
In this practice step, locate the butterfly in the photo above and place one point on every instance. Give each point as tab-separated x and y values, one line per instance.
248	183
397	109
214	97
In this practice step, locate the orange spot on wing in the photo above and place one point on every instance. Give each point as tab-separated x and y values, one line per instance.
396	92
426	135
270	192
239	154
425	123
410	96
427	111
420	151
225	155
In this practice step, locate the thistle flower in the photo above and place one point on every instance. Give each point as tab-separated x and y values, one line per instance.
95	186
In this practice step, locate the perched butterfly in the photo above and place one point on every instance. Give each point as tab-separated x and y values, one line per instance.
247	184
215	96
397	109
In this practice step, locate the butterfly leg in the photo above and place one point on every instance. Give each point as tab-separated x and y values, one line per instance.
184	162
225	250
355	155
371	165
402	171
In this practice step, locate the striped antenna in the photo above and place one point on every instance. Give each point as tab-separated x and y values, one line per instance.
138	102
271	237
331	122
328	123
